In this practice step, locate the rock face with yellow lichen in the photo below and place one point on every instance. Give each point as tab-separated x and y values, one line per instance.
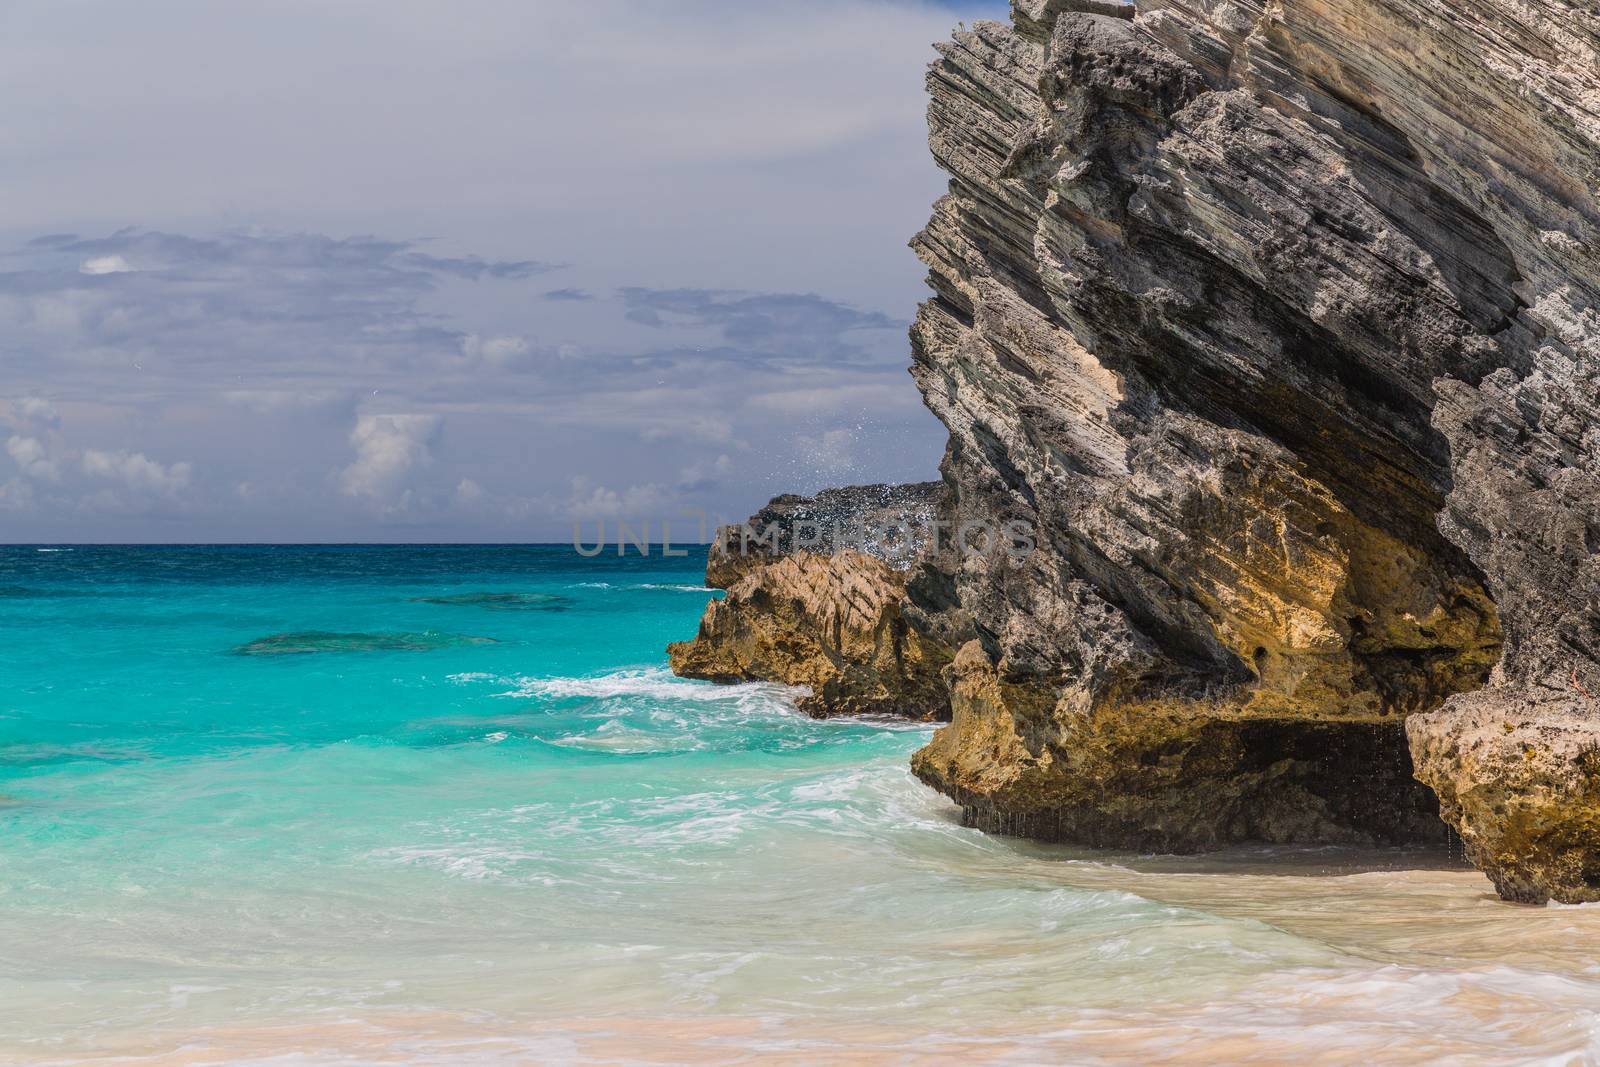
1519	775
1278	323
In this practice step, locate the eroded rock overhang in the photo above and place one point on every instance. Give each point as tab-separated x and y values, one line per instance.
1277	322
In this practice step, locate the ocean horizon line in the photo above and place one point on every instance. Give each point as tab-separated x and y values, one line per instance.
329	544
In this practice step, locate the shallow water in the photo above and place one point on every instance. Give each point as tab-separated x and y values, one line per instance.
547	849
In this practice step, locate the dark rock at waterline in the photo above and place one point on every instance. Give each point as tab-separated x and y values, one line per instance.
303	642
500	601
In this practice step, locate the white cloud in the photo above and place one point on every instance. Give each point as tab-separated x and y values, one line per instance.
138	472
32	458
35	410
470	493
855	396
16	495
104	265
45	456
665	95
706	144
699	429
276	401
637	502
495	351
473	497
388	448
705	473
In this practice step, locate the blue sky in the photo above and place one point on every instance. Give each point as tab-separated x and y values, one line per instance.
393	270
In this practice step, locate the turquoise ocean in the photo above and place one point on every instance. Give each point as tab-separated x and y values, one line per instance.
446	805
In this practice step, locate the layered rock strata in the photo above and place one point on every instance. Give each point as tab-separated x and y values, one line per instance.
893	523
1278	321
1278	326
816	598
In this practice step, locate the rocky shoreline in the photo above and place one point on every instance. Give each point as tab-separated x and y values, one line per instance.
1276	326
803	608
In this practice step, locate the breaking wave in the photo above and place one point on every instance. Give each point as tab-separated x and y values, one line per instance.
654	683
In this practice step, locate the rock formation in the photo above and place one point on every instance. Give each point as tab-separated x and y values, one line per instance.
815	598
1279	325
1519	774
1279	322
892	523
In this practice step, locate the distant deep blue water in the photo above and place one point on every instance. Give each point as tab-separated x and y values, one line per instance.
445	804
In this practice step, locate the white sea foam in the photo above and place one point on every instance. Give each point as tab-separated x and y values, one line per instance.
675	587
630	742
471	862
651	683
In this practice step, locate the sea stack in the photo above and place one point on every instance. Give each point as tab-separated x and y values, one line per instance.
816	597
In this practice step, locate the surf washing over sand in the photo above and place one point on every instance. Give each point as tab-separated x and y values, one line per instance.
547	849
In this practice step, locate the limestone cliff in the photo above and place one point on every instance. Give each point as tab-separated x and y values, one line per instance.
1279	323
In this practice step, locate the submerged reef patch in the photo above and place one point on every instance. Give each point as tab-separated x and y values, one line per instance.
500	601
305	642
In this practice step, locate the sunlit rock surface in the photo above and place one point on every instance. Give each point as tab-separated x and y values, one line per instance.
815	598
1519	778
1278	322
831	623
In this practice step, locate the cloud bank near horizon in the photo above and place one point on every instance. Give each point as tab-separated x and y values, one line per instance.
168	382
627	263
